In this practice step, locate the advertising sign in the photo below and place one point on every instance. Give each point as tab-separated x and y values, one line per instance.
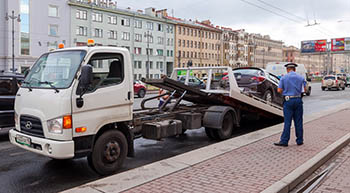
313	46
347	44
308	46
320	45
338	44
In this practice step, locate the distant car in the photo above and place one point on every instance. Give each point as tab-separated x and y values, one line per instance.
259	83
192	81
9	84
333	82
139	89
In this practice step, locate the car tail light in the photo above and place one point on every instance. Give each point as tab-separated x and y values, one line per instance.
258	78
336	81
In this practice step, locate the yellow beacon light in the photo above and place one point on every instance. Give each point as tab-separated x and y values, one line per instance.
60	46
91	42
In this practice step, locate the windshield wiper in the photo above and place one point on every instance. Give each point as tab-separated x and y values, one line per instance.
50	83
29	86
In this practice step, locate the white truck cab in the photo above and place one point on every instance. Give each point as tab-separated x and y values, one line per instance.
58	116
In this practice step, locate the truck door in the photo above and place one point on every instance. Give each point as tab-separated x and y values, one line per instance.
108	98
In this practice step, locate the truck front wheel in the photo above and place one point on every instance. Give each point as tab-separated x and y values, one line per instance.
109	152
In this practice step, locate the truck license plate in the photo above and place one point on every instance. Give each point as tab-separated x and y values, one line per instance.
23	140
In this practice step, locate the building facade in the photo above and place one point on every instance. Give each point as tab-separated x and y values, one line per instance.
238	48
147	34
42	26
266	50
197	42
314	63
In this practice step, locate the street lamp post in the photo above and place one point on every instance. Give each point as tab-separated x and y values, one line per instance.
148	35
13	17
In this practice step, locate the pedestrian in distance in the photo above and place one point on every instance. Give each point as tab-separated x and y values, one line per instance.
291	86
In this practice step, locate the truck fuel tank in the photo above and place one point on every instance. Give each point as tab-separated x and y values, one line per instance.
161	129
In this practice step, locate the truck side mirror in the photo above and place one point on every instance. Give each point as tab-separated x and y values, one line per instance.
85	79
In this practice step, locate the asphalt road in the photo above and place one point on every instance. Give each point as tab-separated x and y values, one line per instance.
23	171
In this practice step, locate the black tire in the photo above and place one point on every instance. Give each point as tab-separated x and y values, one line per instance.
268	96
323	88
210	133
343	88
227	127
141	93
109	152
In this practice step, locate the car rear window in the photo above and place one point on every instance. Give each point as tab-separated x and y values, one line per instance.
253	72
6	87
329	78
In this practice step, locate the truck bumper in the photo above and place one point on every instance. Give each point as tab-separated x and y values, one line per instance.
46	147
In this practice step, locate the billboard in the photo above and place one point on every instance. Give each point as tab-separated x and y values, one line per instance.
313	46
340	44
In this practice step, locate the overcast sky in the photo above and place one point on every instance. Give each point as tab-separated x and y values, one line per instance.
239	14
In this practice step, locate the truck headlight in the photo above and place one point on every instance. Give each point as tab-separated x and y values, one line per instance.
55	126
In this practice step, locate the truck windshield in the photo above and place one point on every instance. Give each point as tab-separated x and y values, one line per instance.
56	68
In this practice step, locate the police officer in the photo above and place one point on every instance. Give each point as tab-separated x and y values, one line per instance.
291	87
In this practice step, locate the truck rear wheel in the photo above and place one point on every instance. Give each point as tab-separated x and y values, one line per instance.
227	127
109	152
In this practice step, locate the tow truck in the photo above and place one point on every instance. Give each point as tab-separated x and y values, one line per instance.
78	102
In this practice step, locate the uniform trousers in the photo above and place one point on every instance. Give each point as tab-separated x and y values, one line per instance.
293	110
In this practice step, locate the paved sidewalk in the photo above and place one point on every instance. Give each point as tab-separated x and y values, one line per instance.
338	180
256	166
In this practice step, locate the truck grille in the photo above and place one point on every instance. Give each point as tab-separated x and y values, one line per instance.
31	125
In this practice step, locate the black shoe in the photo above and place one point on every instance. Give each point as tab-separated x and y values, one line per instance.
300	143
281	144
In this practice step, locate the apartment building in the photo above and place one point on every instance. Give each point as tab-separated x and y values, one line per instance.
238	48
41	27
197	42
147	34
266	50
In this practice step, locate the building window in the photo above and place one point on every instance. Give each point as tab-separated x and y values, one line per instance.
53	11
81	31
97	17
138	37
195	33
160	27
179	29
179	54
98	33
138	24
139	64
160	40
150	64
191	32
137	51
183	43
125	22
149	51
179	43
188	43
81	14
168	53
112	34
150	39
149	25
112	20
126	36
159	52
191	44
184	31
53	30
